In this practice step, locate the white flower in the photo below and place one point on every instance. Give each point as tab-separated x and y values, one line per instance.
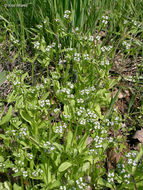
91	38
134	163
134	154
53	44
59	45
47	102
80	100
30	156
102	63
36	45
39	26
48	48
104	21
130	161
97	37
128	155
86	56
83	122
76	29
67	14
25	174
45	21
125	21
56	110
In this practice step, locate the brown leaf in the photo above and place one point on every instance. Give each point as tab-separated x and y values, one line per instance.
139	135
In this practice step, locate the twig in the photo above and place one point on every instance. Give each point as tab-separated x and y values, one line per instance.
134	182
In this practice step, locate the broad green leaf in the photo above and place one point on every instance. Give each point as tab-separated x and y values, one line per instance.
11	97
24	76
2	77
16	187
84	167
1	159
82	143
4	137
64	166
54	184
98	110
69	139
113	82
7	185
7	117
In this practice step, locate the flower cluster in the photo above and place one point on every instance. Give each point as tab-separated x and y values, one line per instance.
30	156
98	141
48	48
105	19
55	75
59	129
62	187
80	101
25	174
130	157
36	45
92	151
106	48
80	184
14	40
37	173
70	85
86	57
98	37
64	90
67	14
43	103
91	38
32	107
20	163
2	165
15	169
111	177
105	62
77	57
134	22
62	61
82	121
39	26
22	131
124	172
126	45
49	147
15	83
80	111
86	91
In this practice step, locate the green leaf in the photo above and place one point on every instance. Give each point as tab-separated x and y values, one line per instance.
26	116
84	167
64	166
7	117
2	77
1	159
69	140
54	184
16	187
7	185
4	137
83	143
113	82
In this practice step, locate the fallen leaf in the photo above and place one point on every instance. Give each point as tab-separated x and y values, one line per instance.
139	135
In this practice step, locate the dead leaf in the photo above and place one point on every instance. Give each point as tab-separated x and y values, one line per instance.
139	135
88	188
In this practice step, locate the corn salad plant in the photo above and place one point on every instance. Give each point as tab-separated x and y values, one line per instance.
60	123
